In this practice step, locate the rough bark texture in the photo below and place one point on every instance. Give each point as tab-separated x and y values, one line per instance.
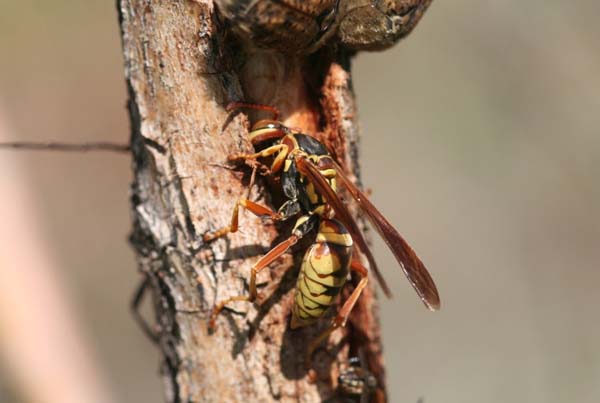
182	71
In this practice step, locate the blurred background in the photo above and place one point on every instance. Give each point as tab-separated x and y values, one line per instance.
481	142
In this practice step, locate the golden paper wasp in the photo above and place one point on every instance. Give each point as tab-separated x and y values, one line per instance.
310	181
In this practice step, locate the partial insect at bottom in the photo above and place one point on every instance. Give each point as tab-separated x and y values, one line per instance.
356	381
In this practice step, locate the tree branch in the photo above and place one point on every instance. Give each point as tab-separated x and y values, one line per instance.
181	72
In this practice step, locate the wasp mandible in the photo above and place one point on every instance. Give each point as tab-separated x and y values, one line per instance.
310	181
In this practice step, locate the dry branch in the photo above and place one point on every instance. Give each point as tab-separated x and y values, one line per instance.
181	72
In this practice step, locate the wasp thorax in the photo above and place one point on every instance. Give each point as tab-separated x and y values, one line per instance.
378	24
292	26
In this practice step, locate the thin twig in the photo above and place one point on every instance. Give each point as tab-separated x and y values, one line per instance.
57	146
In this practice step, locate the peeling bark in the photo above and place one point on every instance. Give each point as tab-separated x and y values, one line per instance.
182	70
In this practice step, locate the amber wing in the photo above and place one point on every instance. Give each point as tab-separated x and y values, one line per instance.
413	267
314	175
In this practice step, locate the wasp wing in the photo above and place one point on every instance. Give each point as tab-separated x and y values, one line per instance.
308	169
413	267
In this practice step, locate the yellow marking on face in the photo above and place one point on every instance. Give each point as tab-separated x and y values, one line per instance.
287	165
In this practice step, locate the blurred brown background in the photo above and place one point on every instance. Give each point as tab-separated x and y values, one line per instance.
480	142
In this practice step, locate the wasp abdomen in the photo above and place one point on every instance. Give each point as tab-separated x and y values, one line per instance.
323	273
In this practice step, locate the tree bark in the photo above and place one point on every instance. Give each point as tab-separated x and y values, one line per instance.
182	69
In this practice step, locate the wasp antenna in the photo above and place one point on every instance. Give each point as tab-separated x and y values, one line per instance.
259	107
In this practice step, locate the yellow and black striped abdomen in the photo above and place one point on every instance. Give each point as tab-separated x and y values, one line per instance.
323	273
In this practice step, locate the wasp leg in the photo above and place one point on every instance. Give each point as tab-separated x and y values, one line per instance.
261	154
342	316
263	262
280	149
255	208
258	209
149	330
